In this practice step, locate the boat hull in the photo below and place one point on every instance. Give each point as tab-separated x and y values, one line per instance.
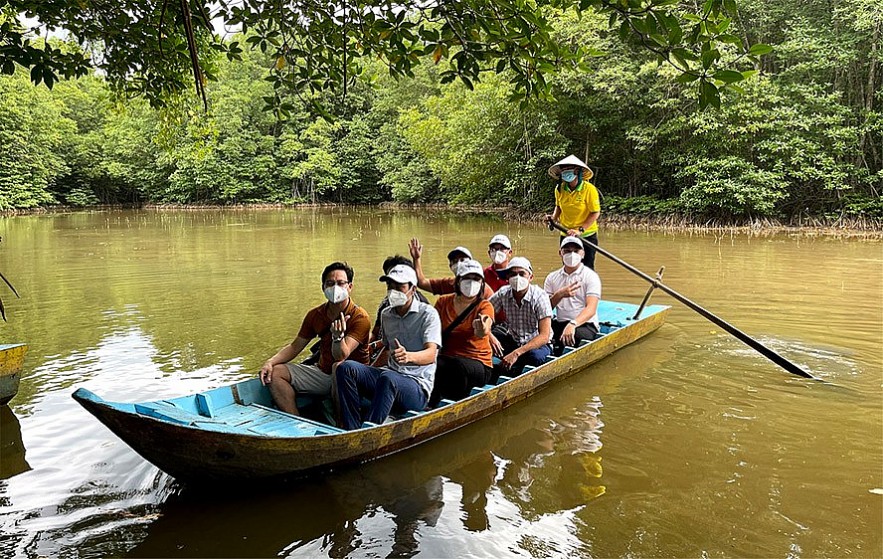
194	454
12	358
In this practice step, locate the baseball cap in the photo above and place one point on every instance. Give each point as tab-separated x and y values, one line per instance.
469	267
571	240
501	239
401	274
462	250
518	262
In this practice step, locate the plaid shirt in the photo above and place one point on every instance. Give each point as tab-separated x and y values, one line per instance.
523	319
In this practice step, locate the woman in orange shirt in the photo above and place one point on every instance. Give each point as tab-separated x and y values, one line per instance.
466	357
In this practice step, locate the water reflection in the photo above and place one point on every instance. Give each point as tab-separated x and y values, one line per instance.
406	504
475	479
12	449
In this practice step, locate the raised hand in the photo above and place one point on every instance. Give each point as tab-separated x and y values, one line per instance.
338	327
416	249
482	325
567	291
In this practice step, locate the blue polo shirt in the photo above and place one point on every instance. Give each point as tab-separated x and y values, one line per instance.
419	326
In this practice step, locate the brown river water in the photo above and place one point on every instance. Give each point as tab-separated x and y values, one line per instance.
686	444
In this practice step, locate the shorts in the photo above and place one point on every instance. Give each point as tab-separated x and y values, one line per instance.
309	379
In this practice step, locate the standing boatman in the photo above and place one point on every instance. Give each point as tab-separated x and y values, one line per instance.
577	204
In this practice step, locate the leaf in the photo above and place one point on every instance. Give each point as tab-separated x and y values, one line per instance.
759	49
687	77
709	95
728	76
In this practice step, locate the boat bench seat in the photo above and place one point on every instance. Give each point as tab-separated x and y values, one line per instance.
169	412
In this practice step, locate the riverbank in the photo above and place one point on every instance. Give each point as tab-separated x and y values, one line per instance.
804	225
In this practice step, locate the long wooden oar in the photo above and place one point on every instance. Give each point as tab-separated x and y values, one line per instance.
748	340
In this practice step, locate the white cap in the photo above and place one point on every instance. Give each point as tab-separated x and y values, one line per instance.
401	274
569	161
467	267
571	240
518	262
462	250
501	239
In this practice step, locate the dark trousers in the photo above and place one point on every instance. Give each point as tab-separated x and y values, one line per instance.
455	377
389	391
589	258
533	357
585	331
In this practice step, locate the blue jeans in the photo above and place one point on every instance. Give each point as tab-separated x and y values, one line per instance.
386	388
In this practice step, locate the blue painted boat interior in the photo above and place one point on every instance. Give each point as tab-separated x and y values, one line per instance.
247	407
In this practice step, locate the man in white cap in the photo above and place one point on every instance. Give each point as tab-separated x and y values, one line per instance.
577	204
441	286
500	251
528	317
574	290
412	335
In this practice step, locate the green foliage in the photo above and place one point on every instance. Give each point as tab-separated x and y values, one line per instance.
798	131
154	49
32	136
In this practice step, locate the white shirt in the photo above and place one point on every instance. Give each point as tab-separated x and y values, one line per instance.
589	285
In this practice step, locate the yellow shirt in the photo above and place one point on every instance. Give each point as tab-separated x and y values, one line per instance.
576	205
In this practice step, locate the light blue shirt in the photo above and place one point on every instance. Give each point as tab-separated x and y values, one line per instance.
420	325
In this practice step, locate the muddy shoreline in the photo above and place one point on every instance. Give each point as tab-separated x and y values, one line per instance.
869	228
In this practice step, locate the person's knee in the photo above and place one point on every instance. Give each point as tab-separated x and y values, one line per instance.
343	370
386	381
281	376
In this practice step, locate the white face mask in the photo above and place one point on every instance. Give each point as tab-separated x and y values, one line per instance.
499	256
571	259
455	266
470	288
336	294
518	283
396	298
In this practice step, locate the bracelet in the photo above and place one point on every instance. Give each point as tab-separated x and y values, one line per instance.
338	340
572	322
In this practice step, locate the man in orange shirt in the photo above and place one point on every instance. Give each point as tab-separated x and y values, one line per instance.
343	329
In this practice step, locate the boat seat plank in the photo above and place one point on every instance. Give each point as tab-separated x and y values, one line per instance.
204	405
444	402
503	378
328	429
479	389
168	412
186	404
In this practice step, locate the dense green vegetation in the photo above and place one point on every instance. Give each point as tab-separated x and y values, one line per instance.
804	138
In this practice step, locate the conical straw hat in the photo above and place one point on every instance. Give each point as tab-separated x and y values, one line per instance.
570	160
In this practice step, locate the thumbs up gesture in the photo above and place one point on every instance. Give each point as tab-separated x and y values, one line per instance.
399	354
482	325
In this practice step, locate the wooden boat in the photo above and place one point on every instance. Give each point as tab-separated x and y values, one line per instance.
12	357
234	432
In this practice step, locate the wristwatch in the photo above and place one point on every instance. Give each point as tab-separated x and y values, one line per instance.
336	339
572	322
